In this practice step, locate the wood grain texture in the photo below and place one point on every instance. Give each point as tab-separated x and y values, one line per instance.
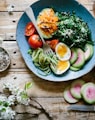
47	102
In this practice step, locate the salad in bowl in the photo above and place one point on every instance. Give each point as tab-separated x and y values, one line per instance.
68	33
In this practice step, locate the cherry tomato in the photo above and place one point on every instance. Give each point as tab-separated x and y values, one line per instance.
34	41
52	43
29	29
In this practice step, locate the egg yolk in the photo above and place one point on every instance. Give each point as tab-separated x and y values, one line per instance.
62	65
62	50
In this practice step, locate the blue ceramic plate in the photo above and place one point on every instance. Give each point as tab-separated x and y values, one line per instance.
60	5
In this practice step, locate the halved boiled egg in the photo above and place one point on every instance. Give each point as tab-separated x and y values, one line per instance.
62	51
61	67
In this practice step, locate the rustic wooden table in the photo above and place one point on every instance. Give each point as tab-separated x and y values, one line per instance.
47	97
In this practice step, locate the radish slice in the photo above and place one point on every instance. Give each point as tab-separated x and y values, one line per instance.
76	88
68	96
89	50
74	55
88	92
81	59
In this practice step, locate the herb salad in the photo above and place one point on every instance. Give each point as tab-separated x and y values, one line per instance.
67	35
72	30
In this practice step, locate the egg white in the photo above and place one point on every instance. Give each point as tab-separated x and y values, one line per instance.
66	53
61	67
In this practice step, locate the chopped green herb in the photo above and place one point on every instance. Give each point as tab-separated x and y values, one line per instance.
72	30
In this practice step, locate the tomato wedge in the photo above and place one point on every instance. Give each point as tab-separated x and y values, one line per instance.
29	29
52	43
34	41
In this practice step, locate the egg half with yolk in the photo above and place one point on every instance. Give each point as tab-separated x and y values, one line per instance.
63	52
61	67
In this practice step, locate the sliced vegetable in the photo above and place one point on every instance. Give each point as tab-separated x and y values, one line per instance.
52	43
34	41
42	61
29	29
74	68
89	50
81	59
76	88
88	92
68	96
74	55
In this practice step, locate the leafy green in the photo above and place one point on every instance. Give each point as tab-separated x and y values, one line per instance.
28	85
72	30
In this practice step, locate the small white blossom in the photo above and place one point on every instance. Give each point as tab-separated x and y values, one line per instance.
22	97
3	98
8	114
11	99
17	95
13	89
2	107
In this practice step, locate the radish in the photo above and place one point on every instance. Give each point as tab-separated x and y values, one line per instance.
89	50
68	96
88	92
74	55
80	60
74	68
76	88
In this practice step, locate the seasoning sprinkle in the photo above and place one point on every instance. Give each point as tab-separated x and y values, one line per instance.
4	60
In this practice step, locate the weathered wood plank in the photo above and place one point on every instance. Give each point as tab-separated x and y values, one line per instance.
48	94
17	6
40	88
4	4
8	23
59	110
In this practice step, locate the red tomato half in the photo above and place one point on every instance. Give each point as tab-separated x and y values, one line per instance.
52	43
29	29
34	41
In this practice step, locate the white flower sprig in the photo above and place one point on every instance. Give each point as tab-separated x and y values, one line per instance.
15	96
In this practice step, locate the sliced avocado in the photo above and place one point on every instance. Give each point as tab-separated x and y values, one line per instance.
88	92
76	88
74	55
80	60
89	50
68	96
